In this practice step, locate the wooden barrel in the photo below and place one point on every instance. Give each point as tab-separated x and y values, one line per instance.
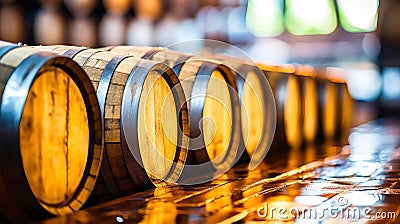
145	118
287	91
50	135
214	113
312	105
335	105
309	98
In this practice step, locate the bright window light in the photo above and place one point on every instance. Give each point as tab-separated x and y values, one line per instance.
358	15
264	18
310	17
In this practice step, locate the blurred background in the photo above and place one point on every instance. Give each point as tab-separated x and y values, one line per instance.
360	38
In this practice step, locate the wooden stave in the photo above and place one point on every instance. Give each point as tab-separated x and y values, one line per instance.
177	61
107	174
134	169
29	204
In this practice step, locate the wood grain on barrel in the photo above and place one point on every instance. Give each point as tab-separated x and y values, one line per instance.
158	132
112	119
58	149
217	118
54	161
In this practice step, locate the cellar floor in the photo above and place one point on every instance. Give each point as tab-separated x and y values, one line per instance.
317	184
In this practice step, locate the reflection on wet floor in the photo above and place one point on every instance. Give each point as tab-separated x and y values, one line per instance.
326	184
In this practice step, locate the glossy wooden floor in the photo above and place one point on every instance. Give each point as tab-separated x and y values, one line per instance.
325	184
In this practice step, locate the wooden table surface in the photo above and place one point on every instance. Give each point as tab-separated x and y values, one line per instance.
318	184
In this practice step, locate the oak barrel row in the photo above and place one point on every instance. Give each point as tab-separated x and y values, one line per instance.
62	120
145	121
159	125
312	105
247	83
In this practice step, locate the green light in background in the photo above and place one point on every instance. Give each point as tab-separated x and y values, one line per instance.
358	15
310	17
264	18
